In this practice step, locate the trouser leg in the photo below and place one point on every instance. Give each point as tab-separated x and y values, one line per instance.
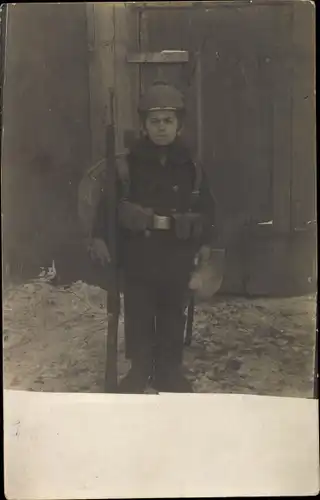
170	326
139	313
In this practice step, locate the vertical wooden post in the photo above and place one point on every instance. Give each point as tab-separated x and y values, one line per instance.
112	32
143	46
303	206
133	34
282	109
123	74
199	127
100	25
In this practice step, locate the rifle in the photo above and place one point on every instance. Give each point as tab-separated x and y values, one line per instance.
113	294
189	322
198	77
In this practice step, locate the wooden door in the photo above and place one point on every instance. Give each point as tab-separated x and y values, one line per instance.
256	60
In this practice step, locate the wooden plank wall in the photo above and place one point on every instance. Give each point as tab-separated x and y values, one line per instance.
284	262
46	139
257	61
235	50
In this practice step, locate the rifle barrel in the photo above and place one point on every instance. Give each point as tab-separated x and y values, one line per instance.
113	298
189	326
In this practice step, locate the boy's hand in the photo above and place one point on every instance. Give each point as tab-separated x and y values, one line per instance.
134	217
99	251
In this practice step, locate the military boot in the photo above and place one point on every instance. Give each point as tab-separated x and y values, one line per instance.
171	379
135	381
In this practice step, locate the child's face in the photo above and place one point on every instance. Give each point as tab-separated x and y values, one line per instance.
162	126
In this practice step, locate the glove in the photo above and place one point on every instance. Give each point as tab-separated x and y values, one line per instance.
134	217
188	225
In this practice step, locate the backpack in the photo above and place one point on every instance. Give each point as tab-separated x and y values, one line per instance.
89	192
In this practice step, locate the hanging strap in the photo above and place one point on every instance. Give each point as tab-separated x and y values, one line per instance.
198	179
197	184
123	175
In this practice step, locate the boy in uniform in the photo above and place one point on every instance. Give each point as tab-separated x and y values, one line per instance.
165	216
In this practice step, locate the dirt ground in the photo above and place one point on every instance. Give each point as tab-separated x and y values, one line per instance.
54	340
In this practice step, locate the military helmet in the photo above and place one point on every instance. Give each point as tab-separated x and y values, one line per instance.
161	96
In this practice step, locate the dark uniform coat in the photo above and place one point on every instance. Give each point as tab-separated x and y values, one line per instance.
157	264
165	188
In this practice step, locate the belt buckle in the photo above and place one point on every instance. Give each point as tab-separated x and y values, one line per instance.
161	222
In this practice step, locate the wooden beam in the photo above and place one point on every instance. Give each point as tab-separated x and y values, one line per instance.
166	56
206	5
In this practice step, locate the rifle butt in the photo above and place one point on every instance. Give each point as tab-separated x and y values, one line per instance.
111	373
